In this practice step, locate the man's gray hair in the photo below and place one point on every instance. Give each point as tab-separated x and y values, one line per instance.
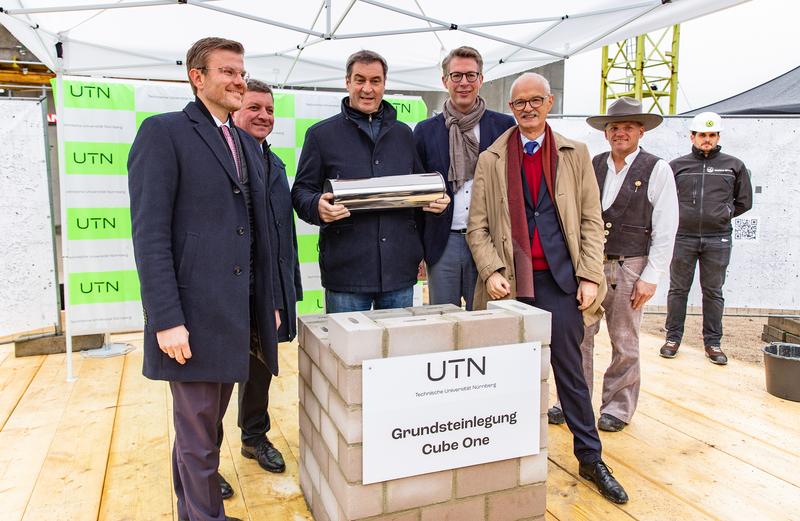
530	76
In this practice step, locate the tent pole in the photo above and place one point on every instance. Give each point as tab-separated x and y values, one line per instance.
64	225
328	17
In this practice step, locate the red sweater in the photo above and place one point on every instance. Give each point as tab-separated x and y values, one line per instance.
534	170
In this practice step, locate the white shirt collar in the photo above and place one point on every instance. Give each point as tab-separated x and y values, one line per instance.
629	159
219	123
539	139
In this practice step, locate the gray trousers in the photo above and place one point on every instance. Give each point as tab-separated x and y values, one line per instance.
622	378
454	274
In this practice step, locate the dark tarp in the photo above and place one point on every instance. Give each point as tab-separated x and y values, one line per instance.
780	95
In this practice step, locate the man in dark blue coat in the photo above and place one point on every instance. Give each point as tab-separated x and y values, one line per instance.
367	259
450	143
257	118
200	223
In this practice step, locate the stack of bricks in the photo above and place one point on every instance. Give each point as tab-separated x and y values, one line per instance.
332	348
782	329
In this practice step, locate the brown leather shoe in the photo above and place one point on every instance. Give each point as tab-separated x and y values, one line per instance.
715	354
669	349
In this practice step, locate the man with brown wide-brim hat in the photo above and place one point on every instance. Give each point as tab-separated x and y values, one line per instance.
640	218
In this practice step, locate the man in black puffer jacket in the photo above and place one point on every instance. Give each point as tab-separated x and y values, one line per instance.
713	188
368	258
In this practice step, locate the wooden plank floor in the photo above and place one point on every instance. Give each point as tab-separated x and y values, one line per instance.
707	442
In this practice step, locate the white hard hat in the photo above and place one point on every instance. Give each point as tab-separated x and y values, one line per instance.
706	122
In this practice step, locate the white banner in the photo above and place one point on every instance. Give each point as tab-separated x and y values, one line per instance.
426	413
99	122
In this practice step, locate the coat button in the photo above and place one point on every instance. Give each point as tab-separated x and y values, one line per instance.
608	225
236	190
377	161
237	271
605	241
536	214
383	239
606	232
240	230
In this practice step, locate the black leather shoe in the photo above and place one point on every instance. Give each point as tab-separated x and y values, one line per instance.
268	457
669	349
224	487
555	416
599	474
610	423
715	354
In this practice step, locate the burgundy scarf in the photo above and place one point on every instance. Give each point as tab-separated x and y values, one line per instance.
521	240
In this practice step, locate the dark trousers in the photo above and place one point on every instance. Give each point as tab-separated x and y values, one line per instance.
714	254
253	398
565	357
253	403
454	275
197	410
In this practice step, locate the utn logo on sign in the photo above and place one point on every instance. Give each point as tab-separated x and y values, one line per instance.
90	158
93	158
97	95
457	367
103	287
99	287
98	223
89	91
409	110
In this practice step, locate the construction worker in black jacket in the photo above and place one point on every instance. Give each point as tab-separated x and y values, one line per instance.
713	188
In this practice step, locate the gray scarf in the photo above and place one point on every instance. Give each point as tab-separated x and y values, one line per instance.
463	145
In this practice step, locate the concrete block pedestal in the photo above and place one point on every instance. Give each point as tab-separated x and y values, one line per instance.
332	349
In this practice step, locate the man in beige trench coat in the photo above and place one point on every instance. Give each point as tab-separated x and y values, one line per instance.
536	234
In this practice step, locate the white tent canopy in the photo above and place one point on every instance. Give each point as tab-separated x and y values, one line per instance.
306	42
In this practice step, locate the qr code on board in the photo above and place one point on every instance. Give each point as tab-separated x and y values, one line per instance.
745	229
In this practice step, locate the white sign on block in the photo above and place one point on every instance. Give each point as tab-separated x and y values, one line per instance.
426	413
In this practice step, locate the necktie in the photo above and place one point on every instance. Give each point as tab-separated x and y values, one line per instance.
226	131
530	147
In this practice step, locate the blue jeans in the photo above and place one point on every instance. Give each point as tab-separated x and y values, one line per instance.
342	301
454	274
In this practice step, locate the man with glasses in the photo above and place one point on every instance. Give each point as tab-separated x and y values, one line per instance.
450	143
640	217
536	233
200	221
367	259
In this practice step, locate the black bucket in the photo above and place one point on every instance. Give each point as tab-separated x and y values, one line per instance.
782	366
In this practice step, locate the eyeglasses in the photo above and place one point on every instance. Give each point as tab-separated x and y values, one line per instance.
228	72
471	77
520	104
